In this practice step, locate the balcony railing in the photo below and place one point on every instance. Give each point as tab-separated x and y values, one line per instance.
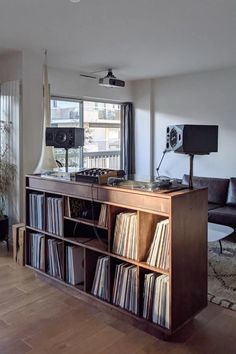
101	159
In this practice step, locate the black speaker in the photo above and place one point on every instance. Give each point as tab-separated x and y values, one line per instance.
65	137
192	139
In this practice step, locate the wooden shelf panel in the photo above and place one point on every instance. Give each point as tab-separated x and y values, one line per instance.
33	229
185	233
133	199
86	222
92	244
95	245
153	269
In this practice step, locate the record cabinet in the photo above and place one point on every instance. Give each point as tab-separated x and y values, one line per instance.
72	231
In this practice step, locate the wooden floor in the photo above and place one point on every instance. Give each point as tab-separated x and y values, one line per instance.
36	317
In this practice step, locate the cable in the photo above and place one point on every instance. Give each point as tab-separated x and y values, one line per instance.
74	230
158	168
93	218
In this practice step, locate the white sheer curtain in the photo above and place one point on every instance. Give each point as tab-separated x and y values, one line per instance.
10	100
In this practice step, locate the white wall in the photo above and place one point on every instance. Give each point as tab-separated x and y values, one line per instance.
68	83
141	90
201	98
10	66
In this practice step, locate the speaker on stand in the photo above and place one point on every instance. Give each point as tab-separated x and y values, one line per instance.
66	138
192	140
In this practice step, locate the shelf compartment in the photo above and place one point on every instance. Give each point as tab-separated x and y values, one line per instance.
35	254
86	234
155	298
74	265
125	233
101	280
55	258
54	206
91	260
147	225
82	208
125	286
35	209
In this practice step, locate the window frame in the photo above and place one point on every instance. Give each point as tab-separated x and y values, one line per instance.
95	100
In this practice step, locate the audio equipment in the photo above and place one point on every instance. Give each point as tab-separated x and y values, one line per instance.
97	175
192	139
115	181
65	137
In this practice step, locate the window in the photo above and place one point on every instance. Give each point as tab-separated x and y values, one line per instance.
102	124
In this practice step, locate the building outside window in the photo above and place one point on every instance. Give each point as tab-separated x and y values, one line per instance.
102	124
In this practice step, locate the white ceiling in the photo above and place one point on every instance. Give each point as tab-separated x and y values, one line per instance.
139	38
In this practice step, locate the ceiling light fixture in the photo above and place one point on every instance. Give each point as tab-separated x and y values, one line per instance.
75	1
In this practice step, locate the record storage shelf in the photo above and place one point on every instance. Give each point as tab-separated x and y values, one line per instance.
187	214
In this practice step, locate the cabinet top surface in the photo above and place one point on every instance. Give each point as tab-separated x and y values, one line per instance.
160	193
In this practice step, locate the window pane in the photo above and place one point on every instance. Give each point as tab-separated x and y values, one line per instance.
102	123
67	113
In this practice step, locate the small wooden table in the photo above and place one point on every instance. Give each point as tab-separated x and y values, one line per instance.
217	232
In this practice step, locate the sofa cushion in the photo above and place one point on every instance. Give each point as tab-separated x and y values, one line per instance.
231	198
225	216
217	187
212	206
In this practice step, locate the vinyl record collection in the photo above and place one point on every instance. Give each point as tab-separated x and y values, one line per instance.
37	250
55	258
100	281
125	290
74	265
103	220
125	235
55	215
36	210
159	250
156	299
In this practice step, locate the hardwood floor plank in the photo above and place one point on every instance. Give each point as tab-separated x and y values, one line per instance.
38	318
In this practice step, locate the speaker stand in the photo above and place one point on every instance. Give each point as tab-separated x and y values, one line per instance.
191	156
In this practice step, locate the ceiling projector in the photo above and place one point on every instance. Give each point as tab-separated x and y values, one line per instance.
110	80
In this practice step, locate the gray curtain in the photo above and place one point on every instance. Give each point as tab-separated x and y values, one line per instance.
127	139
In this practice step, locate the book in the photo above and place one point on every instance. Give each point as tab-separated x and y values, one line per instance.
158	255
125	289
55	258
36	210
100	281
103	216
149	282
55	215
74	265
125	235
37	250
160	310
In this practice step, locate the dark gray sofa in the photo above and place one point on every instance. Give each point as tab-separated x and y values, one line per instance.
221	198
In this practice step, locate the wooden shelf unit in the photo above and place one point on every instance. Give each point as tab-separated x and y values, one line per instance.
187	214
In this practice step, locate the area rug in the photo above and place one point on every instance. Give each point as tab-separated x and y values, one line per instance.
222	274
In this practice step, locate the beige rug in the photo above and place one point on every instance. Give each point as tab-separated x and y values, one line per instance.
222	274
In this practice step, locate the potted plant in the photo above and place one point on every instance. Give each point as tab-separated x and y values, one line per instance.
7	175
